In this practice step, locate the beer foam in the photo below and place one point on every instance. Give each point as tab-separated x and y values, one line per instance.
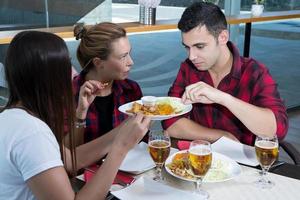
200	150
266	144
160	142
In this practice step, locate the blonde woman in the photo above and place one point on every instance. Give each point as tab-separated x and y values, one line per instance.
104	55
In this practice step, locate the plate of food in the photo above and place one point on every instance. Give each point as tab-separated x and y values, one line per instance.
162	108
222	169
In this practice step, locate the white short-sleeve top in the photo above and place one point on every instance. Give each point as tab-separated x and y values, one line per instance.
27	148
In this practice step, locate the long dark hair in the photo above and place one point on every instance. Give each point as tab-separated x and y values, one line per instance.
38	73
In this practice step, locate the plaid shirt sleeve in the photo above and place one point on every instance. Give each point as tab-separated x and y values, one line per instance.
267	96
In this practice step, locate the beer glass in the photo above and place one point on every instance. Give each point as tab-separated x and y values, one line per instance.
200	158
159	145
266	149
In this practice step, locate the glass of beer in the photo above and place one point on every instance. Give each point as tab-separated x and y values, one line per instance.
200	158
159	145
266	149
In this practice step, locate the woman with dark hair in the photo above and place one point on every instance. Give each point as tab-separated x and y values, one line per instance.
104	55
34	159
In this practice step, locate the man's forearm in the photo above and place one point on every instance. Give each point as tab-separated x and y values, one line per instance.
260	121
187	129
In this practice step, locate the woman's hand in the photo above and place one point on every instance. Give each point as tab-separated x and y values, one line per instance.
88	92
131	132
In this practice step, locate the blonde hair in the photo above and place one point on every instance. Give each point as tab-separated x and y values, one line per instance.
96	41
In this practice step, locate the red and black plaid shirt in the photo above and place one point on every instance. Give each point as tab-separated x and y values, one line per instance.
248	80
124	91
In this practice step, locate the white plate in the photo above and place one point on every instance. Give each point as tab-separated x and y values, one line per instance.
186	108
220	165
137	160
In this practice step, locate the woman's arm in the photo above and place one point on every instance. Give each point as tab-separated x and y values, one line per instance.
92	151
54	183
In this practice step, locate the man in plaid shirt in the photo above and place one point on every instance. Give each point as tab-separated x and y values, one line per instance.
232	96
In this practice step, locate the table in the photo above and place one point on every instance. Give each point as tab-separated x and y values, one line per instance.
242	187
286	178
288	170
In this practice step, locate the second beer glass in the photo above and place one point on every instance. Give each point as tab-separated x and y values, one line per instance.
200	159
267	153
159	145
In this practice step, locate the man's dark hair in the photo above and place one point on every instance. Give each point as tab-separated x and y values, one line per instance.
203	13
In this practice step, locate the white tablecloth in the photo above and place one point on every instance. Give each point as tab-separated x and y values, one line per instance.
242	187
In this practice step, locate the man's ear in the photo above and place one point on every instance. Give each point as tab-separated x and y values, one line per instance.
223	37
97	62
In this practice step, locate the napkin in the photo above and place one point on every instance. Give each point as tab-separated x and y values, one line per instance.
147	189
239	152
183	145
137	160
121	176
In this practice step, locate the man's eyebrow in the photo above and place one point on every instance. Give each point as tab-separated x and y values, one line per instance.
197	44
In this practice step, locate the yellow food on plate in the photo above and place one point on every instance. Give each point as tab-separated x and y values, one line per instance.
160	108
180	167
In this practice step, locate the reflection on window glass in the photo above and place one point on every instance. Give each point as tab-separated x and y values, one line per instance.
273	5
174	3
32	13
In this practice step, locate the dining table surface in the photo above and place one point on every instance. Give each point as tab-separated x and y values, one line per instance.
286	177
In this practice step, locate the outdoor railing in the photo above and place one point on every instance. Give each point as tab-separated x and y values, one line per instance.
247	19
